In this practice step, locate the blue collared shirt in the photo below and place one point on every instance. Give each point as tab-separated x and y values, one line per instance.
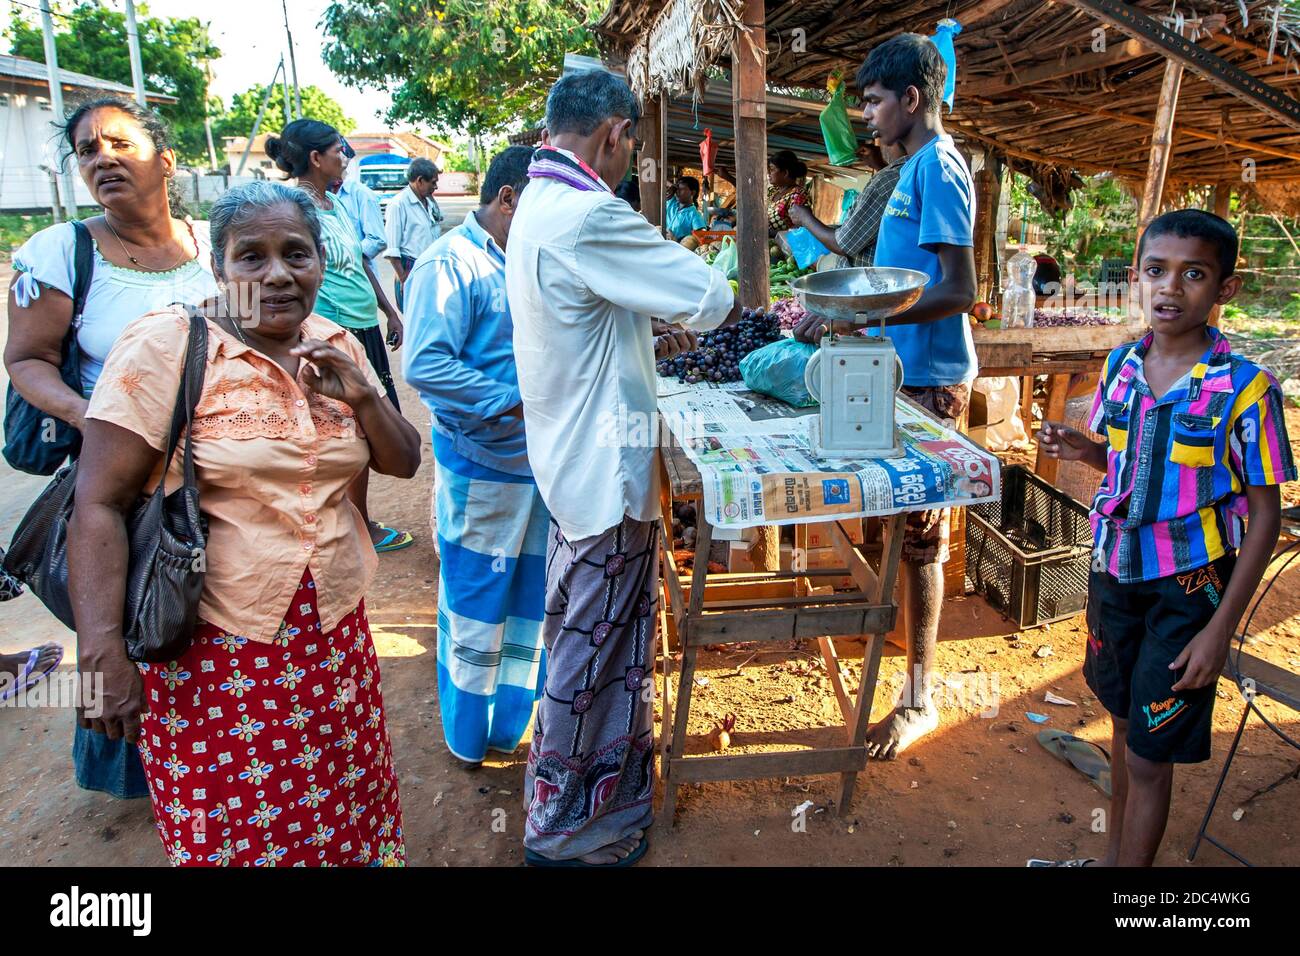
362	206
459	354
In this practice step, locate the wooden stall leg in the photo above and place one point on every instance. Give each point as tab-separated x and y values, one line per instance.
891	554
1027	401
1058	389
676	747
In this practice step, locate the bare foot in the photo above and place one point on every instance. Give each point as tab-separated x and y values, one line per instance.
614	852
904	727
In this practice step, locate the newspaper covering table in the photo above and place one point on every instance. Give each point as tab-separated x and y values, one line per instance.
757	464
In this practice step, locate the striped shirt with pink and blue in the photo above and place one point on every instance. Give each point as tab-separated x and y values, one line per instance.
1174	494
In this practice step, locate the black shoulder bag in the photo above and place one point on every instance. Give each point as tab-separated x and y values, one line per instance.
166	533
35	441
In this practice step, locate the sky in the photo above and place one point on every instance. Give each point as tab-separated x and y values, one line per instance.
250	35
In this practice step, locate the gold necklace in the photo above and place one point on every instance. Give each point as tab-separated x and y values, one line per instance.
185	255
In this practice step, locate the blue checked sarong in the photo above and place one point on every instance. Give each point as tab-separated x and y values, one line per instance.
492	534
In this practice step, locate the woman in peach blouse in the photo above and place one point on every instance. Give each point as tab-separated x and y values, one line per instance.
265	743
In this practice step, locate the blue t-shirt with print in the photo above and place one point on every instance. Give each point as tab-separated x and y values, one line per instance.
933	203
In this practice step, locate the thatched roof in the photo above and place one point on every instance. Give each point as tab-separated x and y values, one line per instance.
1030	85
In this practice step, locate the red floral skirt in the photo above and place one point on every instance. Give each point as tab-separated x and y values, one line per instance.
273	754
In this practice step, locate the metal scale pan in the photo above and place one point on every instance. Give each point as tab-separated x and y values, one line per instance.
854	378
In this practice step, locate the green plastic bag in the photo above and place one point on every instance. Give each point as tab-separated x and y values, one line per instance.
837	131
728	260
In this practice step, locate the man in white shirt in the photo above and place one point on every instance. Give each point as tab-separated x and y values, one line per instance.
414	221
584	276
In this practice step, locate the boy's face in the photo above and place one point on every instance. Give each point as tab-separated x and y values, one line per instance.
889	114
1179	283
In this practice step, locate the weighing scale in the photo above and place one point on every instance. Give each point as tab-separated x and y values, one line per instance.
855	377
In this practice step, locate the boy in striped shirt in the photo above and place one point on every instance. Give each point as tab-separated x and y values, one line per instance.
1195	440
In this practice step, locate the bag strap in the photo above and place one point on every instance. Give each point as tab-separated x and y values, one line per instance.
83	268
83	273
188	395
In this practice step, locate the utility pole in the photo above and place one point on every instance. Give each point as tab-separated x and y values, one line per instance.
284	78
257	123
56	103
293	64
133	43
207	115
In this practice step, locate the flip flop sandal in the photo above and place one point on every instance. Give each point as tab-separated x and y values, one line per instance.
27	677
394	540
1082	862
1091	760
536	859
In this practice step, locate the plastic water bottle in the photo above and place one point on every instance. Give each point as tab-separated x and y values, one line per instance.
1018	296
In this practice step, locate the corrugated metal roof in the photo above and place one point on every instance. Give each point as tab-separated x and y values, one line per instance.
23	68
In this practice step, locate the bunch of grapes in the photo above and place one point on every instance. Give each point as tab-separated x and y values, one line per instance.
718	357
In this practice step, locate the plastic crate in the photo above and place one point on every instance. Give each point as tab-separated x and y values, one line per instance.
1030	553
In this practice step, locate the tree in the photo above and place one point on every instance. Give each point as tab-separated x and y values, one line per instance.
477	66
316	104
91	39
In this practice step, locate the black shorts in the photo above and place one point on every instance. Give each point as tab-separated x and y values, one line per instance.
1134	632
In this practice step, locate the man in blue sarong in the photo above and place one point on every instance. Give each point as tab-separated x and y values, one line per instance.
490	522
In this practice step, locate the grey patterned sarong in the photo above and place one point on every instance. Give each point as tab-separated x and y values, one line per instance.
590	777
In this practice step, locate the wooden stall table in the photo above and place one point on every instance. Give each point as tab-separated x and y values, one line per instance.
787	485
769	606
1058	353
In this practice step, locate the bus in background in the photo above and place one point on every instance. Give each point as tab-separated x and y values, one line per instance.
385	173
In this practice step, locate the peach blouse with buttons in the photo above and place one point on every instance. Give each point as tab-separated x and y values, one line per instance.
273	461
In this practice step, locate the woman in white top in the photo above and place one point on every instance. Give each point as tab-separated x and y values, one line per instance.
146	257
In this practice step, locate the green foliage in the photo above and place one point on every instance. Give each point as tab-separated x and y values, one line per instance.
1100	225
1291	311
91	38
16	228
316	104
477	66
455	161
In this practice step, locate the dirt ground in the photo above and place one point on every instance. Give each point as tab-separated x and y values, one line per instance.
980	791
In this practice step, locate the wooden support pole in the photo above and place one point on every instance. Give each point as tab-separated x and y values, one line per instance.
1162	137
987	183
663	151
749	105
1222	201
650	163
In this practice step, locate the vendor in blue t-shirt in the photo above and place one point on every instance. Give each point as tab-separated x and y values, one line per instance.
927	226
682	214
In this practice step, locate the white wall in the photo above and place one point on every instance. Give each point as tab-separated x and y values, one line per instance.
28	141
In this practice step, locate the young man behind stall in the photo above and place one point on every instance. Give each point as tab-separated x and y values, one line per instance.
1195	441
927	226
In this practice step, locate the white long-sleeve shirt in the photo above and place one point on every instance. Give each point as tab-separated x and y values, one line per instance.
584	276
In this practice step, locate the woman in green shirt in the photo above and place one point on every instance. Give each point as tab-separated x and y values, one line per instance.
312	153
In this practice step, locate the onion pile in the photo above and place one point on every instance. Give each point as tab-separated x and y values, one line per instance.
788	312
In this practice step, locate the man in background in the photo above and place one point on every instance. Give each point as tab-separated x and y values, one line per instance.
855	237
414	221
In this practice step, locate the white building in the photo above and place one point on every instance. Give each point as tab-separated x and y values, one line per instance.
29	144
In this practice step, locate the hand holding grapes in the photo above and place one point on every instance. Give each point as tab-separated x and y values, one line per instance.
674	342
